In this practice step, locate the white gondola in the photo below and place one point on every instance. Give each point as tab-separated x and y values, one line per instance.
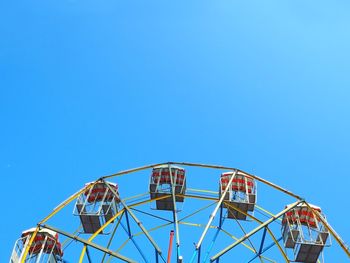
97	205
303	233
241	194
161	185
45	247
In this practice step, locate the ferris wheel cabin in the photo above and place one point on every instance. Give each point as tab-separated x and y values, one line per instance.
304	233
241	194
97	205
45	247
165	179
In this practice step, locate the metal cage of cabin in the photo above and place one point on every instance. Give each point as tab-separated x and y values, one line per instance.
304	233
240	197
45	247
166	180
97	205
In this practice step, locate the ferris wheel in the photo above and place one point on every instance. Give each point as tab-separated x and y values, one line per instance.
180	212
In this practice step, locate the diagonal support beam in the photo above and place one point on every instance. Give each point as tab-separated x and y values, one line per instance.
152	215
127	229
211	218
139	223
88	255
268	229
266	223
278	245
221	221
262	241
265	249
89	243
82	254
112	236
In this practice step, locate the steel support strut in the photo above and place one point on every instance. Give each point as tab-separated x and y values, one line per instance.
89	243
265	249
211	218
262	241
267	228
131	237
144	230
176	225
266	223
112	236
221	220
215	210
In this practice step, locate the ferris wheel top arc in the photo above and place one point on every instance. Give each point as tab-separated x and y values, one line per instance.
299	213
339	240
217	167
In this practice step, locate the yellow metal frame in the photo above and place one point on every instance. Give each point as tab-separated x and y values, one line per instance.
181	221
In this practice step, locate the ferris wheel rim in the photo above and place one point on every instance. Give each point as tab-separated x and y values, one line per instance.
299	201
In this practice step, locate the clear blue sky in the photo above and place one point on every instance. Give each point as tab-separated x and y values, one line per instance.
88	88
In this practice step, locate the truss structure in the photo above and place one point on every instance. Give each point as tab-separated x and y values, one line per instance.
207	225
